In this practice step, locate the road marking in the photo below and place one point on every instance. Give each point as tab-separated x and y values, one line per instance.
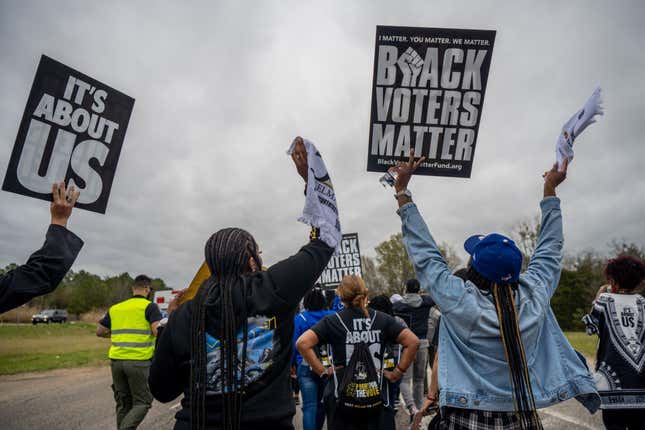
566	418
175	406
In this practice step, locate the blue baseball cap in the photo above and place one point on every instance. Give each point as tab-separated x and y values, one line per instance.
495	257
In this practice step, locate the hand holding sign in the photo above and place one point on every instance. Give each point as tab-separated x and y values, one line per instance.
321	210
299	157
554	177
404	172
62	203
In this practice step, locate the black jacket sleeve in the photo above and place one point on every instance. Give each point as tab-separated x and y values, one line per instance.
278	290
170	369
284	284
44	270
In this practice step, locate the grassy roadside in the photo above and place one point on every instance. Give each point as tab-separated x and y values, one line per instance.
27	348
583	343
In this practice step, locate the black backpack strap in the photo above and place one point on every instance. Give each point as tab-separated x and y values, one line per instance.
333	369
331	358
342	322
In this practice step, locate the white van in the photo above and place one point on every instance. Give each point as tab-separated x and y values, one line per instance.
163	299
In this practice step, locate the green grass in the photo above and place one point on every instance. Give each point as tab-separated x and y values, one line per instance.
27	348
580	341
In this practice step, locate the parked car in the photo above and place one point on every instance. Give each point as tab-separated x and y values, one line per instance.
49	316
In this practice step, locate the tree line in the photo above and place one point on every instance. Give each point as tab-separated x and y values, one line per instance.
386	273
81	291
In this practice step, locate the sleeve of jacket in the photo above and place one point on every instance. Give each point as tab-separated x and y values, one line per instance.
545	265
44	270
284	284
432	270
168	376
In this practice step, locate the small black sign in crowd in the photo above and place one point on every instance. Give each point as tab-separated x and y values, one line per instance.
346	262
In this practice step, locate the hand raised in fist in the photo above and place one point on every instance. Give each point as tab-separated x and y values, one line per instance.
62	203
410	64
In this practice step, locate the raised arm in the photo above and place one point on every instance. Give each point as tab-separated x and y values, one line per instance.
284	284
46	267
281	288
431	268
546	262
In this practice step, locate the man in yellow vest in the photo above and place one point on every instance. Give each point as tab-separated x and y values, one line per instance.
132	327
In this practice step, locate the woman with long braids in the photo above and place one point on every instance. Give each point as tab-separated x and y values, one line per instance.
229	349
502	354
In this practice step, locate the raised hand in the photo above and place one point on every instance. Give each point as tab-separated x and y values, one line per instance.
404	172
62	203
299	157
554	177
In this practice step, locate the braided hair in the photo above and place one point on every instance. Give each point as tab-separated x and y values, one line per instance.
227	256
503	297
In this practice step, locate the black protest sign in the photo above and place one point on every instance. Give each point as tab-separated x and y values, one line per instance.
72	129
427	94
347	261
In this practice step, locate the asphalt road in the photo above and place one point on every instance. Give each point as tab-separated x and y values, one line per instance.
82	399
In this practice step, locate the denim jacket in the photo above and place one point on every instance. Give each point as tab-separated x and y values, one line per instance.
472	366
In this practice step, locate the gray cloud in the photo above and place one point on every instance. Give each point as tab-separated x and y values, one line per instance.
222	88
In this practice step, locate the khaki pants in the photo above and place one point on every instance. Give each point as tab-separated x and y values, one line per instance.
131	392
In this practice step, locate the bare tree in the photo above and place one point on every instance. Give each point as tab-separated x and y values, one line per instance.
526	234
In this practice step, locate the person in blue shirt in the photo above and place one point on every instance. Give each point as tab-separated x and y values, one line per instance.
337	304
502	354
311	385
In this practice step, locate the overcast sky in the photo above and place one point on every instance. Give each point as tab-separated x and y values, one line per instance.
221	89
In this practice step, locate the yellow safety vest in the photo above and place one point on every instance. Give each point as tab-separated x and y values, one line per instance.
131	335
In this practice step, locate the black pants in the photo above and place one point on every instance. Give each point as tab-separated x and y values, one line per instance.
624	419
338	419
383	419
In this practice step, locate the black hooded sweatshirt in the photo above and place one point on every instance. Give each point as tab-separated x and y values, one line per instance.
44	270
272	303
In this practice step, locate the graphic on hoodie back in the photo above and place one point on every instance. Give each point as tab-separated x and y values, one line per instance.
624	316
259	354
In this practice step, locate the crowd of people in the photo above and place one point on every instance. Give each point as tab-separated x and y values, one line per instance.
488	333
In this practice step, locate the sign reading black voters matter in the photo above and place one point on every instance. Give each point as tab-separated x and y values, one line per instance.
347	261
72	129
427	94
